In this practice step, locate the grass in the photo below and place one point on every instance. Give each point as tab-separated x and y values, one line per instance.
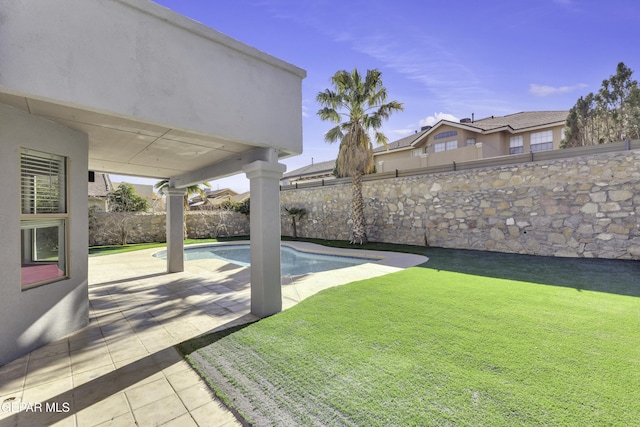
469	338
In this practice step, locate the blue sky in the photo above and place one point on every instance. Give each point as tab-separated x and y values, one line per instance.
438	58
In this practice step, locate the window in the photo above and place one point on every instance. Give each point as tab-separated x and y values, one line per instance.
417	152
446	134
542	141
471	141
515	145
444	146
43	223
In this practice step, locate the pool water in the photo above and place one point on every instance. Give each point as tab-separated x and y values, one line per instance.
293	262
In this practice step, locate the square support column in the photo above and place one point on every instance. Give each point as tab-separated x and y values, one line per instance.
175	229
266	293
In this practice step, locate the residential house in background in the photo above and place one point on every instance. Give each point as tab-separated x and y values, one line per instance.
215	198
99	187
447	142
146	191
310	173
471	139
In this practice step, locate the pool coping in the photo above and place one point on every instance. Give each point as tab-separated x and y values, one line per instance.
299	287
394	259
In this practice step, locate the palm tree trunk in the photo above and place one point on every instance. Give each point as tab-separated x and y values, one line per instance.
295	231
359	234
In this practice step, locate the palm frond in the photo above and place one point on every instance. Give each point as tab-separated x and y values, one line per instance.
334	134
329	114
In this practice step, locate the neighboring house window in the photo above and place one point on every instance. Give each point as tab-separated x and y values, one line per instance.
44	217
515	145
542	141
417	152
471	141
445	146
446	134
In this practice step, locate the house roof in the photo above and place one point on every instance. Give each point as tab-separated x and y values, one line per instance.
520	121
101	185
212	194
513	123
312	169
401	143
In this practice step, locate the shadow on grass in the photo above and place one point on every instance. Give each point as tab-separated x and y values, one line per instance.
620	277
185	348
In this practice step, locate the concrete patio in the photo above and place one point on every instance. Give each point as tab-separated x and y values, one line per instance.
122	369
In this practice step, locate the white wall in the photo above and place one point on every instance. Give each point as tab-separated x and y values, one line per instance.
31	318
80	52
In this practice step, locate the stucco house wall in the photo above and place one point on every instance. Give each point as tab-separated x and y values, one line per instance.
483	139
32	317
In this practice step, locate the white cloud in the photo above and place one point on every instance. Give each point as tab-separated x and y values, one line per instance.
451	82
544	90
432	120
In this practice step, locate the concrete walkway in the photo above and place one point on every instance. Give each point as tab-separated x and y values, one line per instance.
122	369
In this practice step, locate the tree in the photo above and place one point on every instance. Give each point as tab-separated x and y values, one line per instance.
295	214
613	114
125	201
361	103
191	190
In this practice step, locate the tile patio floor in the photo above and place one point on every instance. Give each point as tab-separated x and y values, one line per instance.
122	369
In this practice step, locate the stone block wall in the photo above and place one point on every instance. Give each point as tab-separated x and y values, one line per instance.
105	228
577	207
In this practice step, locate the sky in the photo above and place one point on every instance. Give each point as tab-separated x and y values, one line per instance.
440	59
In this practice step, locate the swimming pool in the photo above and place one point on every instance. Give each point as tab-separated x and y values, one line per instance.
292	261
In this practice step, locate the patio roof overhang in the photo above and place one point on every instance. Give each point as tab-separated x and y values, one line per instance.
158	94
161	96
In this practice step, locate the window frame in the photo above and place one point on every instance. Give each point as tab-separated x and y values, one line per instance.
516	144
544	141
31	221
446	134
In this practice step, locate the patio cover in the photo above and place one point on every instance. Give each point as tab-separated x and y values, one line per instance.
161	96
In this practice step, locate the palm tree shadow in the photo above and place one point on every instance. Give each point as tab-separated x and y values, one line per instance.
620	277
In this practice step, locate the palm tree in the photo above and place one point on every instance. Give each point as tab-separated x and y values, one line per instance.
361	104
296	214
163	184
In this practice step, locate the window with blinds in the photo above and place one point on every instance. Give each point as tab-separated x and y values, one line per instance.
43	178
43	225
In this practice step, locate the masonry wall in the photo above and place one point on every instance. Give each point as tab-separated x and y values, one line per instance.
105	228
578	207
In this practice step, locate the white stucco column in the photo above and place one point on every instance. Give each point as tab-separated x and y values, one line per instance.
175	229
266	295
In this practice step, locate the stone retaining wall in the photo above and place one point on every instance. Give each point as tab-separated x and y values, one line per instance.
578	207
105	228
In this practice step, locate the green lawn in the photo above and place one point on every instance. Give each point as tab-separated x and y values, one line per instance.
469	338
